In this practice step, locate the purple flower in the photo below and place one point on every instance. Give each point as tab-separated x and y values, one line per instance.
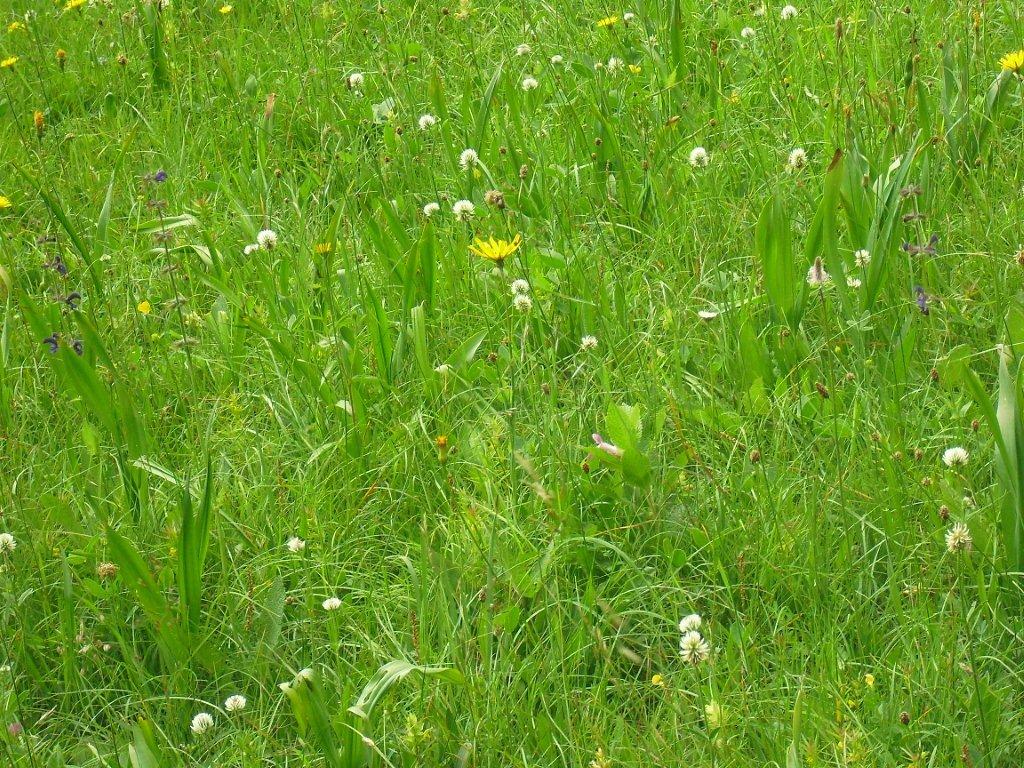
160	176
52	342
922	299
15	728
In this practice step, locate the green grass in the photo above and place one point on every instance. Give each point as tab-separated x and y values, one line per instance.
508	593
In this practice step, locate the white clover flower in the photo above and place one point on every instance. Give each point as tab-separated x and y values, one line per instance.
267	239
761	10
522	303
427	122
955	456
356	80
628	17
699	157
958	538
557	59
694	648
332	604
463	210
788	12
690	623
7	543
235	703
816	275
295	544
523	49
250	249
430	209
530	83
520	286
201	723
862	257
614	64
713	713
747	33
588	343
797	159
853	282
468	159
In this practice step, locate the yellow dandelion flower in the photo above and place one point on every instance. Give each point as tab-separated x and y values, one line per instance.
70	5
634	69
226	9
869	680
323	248
496	250
145	307
5	202
1012	62
9	62
608	21
658	681
14	26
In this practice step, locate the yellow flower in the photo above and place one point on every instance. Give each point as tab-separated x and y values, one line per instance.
1013	62
9	62
226	9
608	21
5	202
634	69
323	248
72	4
869	680
14	26
145	307
658	680
496	250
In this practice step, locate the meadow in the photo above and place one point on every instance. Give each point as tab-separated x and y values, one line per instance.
400	383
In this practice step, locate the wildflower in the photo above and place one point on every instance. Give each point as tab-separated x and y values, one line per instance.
267	239
614	65
106	570
699	157
694	648
713	714
634	69
862	257
922	299
955	456
323	249
251	249
1012	62
600	760
9	62
463	210
917	250
522	49
355	81
224	11
5	202
426	122
15	26
607	22
468	159
39	121
530	83
869	680
658	681
588	343
797	159
522	303
628	17
816	275
430	209
761	10
295	544
73	4
788	12
520	286
557	59
747	33
235	703
495	198
332	604
7	543
602	445
853	282
690	623
201	723
144	307
496	250
958	538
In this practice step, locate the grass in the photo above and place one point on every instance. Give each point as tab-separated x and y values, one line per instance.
204	444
